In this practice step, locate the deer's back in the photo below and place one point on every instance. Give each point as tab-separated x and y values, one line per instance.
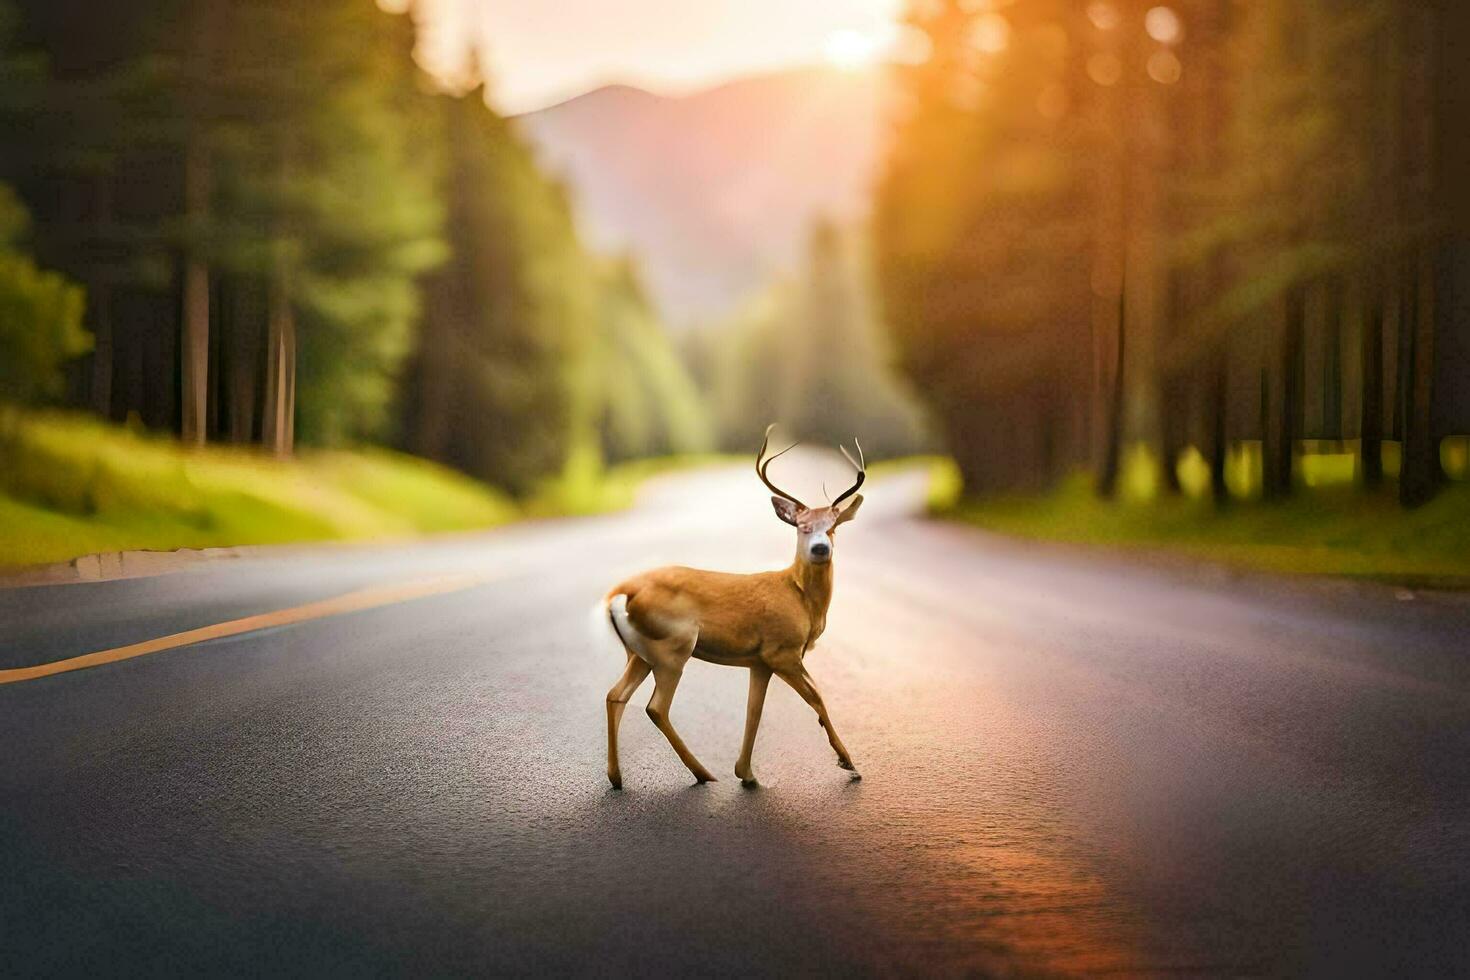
735	617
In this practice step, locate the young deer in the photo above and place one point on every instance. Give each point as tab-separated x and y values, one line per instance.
764	622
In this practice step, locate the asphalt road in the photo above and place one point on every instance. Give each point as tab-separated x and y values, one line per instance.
1071	764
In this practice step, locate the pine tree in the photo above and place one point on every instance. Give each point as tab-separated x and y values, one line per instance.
649	405
507	322
983	238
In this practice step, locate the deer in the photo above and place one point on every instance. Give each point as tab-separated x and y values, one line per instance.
765	622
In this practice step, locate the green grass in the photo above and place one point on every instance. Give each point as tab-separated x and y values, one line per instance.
1327	528
585	487
71	485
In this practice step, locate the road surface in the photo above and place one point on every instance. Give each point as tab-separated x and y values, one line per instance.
1072	764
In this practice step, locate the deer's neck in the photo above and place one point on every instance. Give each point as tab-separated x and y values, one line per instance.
815	584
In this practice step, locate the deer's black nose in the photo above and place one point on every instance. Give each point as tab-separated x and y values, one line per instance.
821	549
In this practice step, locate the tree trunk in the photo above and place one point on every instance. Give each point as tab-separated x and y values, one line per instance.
194	339
128	380
241	317
279	423
1284	425
288	433
433	372
1332	360
1420	471
99	305
194	354
279	429
1431	274
1107	480
1370	446
972	456
100	300
159	338
1293	404
1172	421
1219	443
1269	435
1050	468
242	398
218	363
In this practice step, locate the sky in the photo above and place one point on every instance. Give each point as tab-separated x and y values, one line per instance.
542	51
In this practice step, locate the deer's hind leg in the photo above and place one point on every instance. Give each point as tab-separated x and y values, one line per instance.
669	657
665	681
617	700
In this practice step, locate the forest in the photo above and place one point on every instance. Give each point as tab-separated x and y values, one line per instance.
1235	230
258	223
1228	238
262	223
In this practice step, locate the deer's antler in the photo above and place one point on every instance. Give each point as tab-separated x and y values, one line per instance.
860	464
761	466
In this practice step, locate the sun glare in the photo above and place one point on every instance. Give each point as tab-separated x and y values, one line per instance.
851	49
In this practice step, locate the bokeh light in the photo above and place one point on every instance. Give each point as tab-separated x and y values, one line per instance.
1104	16
911	46
991	33
852	49
1164	67
1105	68
1163	25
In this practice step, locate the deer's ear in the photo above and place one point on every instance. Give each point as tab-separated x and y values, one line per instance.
850	511
785	510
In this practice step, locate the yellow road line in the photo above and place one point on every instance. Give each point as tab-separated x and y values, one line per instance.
369	598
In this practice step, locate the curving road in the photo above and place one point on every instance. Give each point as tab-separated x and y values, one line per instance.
1072	764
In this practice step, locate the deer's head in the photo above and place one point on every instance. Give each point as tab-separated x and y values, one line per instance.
815	526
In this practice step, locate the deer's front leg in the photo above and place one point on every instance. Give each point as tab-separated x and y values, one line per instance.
665	681
760	677
801	682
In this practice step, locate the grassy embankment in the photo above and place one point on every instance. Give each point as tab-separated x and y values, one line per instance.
71	485
587	487
1327	528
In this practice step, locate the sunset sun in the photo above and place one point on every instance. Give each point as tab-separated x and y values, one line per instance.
852	49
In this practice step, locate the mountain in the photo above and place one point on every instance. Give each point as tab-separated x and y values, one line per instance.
714	192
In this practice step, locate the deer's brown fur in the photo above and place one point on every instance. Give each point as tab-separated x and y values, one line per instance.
764	622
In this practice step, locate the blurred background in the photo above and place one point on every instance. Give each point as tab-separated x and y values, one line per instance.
1192	274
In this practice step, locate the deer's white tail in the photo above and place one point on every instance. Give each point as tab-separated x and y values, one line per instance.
611	626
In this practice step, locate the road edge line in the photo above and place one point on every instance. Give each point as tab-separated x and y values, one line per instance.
359	600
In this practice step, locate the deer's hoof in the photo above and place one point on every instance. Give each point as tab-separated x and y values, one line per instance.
704	777
846	764
616	778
